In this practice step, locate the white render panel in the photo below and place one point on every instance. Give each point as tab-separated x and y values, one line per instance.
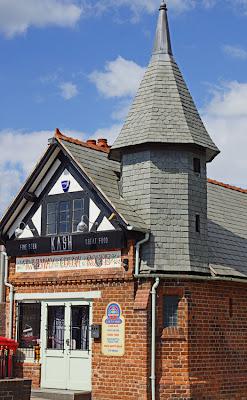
17	222
27	233
47	177
94	294
96	260
37	220
74	185
94	212
105	226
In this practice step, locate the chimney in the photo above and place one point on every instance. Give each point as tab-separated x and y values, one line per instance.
103	143
91	142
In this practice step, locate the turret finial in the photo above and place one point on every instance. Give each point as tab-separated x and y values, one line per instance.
162	44
163	6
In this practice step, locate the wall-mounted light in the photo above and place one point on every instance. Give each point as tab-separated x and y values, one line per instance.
22	226
126	264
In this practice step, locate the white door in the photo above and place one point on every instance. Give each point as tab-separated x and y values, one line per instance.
66	345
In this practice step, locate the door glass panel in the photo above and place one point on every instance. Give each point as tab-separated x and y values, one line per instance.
79	329
55	327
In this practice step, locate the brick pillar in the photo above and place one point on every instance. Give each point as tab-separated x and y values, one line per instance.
2	319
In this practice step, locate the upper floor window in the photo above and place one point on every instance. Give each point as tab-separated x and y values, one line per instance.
65	213
170	311
197	165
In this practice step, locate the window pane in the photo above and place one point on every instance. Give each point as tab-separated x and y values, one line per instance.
51	229
170	310
64	217
64	206
51	208
55	327
78	216
29	324
51	224
78	204
79	327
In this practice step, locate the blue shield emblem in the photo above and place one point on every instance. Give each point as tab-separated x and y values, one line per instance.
65	186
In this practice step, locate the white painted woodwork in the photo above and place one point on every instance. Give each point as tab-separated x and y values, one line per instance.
94	212
105	225
46	179
65	369
74	185
94	294
27	233
36	219
12	219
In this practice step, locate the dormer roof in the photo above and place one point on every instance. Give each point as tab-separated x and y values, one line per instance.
163	110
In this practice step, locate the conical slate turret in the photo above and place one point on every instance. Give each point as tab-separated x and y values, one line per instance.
163	111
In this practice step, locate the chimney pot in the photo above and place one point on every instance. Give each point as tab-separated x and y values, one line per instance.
102	143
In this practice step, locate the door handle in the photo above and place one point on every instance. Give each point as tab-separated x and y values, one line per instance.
67	342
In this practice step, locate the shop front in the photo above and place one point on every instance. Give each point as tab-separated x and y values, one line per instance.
55	332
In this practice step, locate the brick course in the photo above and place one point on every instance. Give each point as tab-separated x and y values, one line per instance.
15	389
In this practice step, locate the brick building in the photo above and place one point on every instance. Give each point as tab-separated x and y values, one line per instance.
127	266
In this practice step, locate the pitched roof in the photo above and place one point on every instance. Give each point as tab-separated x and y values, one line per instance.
227	229
104	173
163	110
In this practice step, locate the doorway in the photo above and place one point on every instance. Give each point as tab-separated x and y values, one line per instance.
66	345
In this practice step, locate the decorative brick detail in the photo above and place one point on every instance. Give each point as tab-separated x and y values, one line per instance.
142	298
15	389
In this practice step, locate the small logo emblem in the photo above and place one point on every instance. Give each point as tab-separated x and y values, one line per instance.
65	186
113	313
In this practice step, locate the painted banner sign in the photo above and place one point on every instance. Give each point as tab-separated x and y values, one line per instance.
93	241
111	259
113	331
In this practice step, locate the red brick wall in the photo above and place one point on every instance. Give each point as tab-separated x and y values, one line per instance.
112	377
206	356
15	389
29	371
2	319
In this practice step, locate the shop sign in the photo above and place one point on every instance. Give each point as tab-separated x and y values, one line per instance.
113	331
111	259
93	241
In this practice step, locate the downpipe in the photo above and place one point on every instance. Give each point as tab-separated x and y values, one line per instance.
138	246
2	268
11	294
153	339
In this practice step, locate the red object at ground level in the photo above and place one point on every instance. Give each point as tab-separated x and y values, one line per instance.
9	343
8	348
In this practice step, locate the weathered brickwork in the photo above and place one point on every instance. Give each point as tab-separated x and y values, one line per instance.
15	389
30	371
163	188
2	319
205	358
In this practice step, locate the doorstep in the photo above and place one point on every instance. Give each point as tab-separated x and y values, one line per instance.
56	394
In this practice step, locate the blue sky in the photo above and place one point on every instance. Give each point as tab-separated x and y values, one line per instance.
76	65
